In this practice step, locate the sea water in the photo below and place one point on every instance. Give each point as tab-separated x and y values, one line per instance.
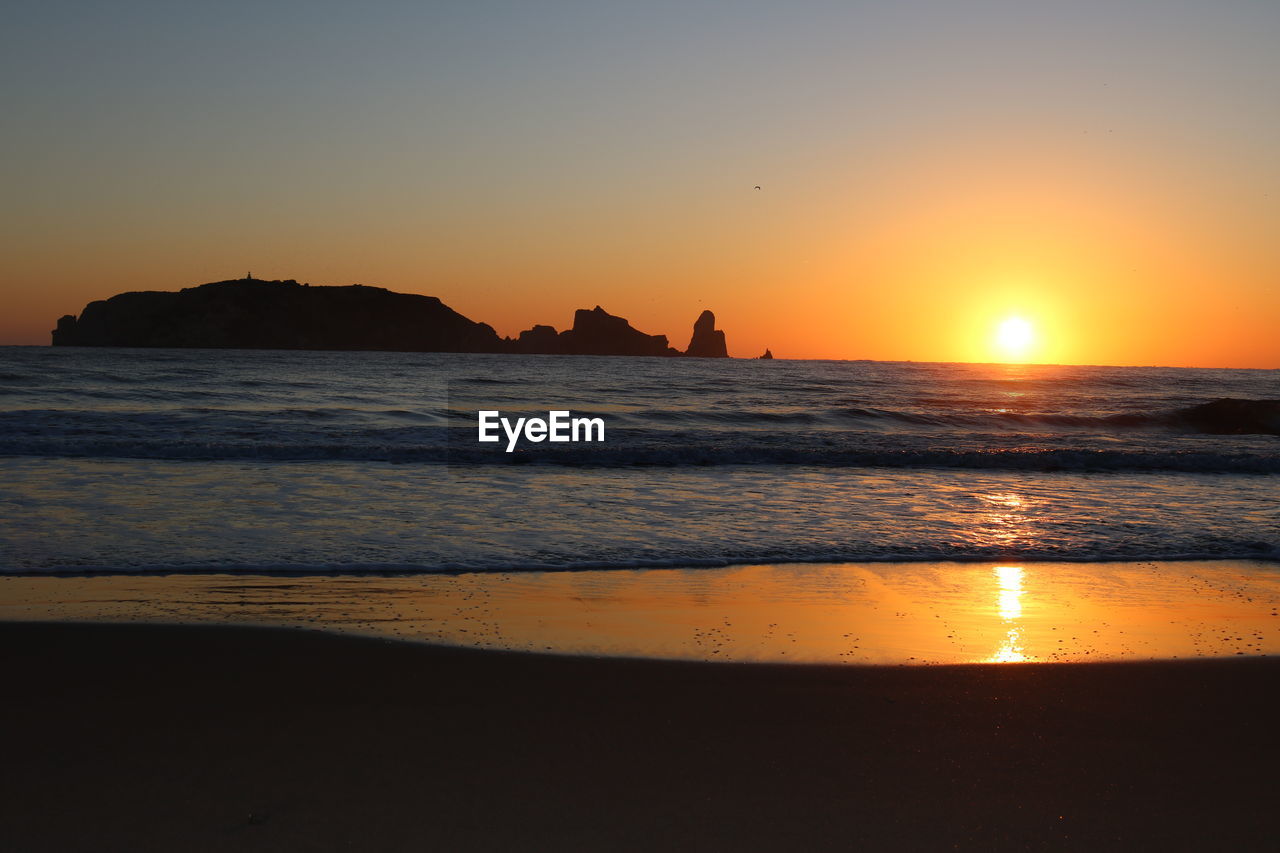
133	460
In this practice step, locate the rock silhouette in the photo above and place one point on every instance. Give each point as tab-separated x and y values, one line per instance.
540	340
768	354
594	332
597	332
707	340
255	314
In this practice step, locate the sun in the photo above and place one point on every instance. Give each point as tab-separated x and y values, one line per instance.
1014	336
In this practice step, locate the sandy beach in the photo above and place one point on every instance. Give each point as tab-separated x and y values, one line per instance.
152	737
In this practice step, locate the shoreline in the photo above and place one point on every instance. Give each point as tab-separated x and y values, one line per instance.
213	738
926	613
390	570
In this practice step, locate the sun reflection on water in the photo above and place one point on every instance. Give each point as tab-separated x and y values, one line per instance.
1009	604
1003	521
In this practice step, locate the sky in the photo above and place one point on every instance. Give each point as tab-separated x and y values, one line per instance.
1104	172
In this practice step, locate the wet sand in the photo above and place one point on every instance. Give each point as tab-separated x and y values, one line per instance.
150	737
869	613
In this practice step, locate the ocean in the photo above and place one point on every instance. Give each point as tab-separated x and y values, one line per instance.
140	461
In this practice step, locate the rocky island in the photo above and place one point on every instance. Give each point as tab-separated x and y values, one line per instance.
251	313
707	340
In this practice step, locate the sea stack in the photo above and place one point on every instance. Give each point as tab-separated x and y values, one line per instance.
707	340
768	353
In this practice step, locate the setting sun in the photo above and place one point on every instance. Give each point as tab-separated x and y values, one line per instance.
1014	337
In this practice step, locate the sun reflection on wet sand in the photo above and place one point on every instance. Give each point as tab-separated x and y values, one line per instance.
1009	581
1009	604
881	613
1010	650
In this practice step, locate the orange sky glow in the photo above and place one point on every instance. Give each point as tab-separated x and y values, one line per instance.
923	177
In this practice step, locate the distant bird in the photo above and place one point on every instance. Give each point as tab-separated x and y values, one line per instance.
757	188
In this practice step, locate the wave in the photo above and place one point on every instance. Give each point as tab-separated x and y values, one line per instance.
1230	416
711	453
485	380
1252	551
1173	439
1227	416
695	417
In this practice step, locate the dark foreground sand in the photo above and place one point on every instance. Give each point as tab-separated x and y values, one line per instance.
186	739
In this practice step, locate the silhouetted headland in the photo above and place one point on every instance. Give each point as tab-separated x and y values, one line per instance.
251	313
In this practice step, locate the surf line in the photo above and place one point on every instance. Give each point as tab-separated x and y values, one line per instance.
559	425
